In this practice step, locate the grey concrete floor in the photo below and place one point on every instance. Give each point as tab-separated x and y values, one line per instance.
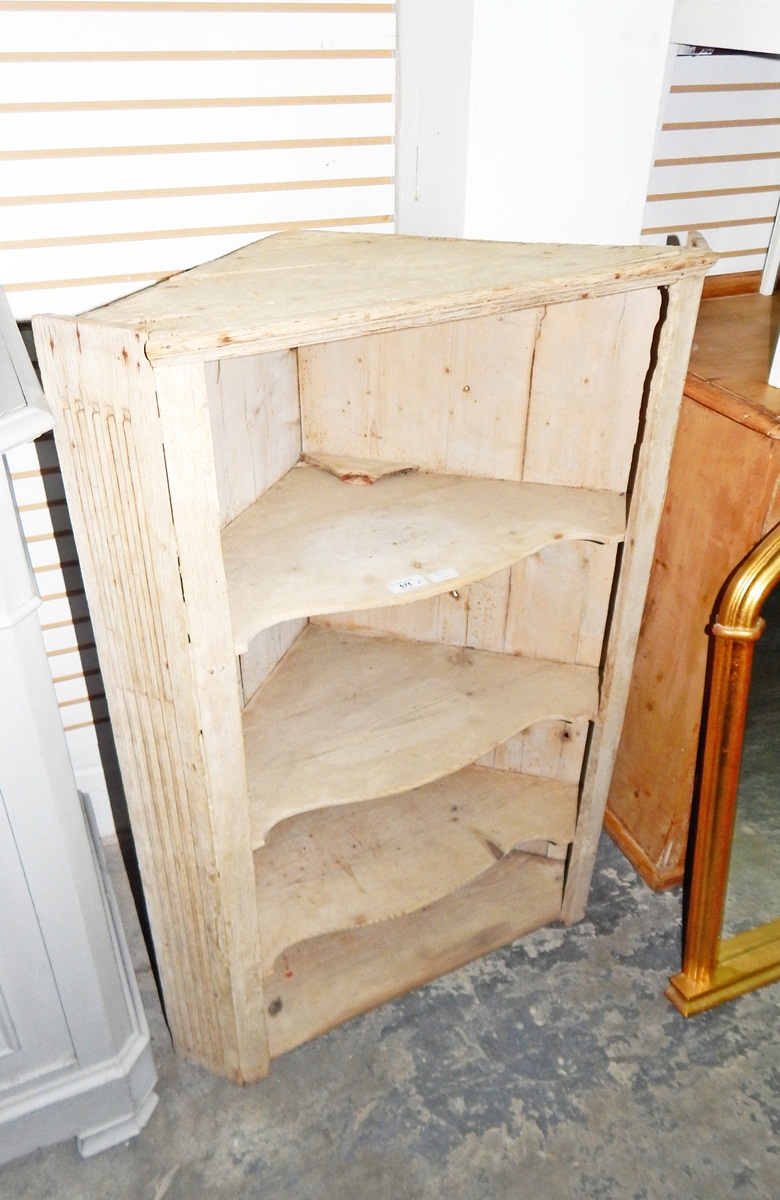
553	1068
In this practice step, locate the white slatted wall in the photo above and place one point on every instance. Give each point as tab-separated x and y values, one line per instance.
138	139
717	162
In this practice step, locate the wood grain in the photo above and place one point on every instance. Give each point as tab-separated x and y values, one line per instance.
399	715
328	871
319	983
516	372
315	545
384	283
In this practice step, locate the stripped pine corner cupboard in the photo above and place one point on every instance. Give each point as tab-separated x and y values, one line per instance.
366	523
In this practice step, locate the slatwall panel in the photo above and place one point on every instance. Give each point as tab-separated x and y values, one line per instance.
138	139
717	161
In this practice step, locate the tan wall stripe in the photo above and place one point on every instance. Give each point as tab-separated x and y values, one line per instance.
34	474
193	148
41	505
744	123
52	106
767	220
82	699
70	649
38	285
742	253
231	189
716	158
54	533
704	192
205	231
64	624
76	675
63	595
724	87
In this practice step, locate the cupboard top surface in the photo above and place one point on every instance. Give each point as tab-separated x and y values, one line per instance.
303	287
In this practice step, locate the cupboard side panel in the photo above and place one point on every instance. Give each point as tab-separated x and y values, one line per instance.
591	362
255	425
222	823
111	451
449	398
649	487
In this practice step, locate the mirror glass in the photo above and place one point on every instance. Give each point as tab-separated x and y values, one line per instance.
753	892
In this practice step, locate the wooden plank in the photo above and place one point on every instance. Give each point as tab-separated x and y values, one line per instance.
442	618
574	580
345	868
549	749
255	425
649	486
111	447
383	283
221	828
320	983
315	545
591	362
357	396
399	715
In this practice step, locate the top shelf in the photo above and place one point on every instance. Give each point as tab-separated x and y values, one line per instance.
306	286
314	544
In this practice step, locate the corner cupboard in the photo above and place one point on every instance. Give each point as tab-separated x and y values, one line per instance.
366	523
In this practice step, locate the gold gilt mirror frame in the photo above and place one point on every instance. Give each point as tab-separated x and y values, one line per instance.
717	968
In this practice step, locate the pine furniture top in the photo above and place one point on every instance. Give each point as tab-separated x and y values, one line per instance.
302	287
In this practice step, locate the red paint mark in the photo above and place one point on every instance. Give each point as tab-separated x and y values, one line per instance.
288	974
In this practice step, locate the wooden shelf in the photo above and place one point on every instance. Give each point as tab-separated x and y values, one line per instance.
344	868
318	983
313	544
346	718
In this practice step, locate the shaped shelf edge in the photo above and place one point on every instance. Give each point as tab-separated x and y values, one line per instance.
313	544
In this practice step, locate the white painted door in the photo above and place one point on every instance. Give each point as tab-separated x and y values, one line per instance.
34	1036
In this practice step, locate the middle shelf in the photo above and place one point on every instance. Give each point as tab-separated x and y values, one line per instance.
314	544
346	718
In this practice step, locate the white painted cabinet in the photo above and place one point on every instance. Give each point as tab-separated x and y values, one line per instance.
75	1057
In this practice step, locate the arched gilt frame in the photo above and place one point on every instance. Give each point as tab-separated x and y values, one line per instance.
715	968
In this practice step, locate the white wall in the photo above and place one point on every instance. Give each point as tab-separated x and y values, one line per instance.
745	25
434	93
562	100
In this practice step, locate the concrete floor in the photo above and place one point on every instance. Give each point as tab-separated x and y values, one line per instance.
553	1068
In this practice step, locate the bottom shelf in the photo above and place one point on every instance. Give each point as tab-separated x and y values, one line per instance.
341	868
318	984
360	903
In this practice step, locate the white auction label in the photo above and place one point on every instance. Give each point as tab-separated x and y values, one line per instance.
409	584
